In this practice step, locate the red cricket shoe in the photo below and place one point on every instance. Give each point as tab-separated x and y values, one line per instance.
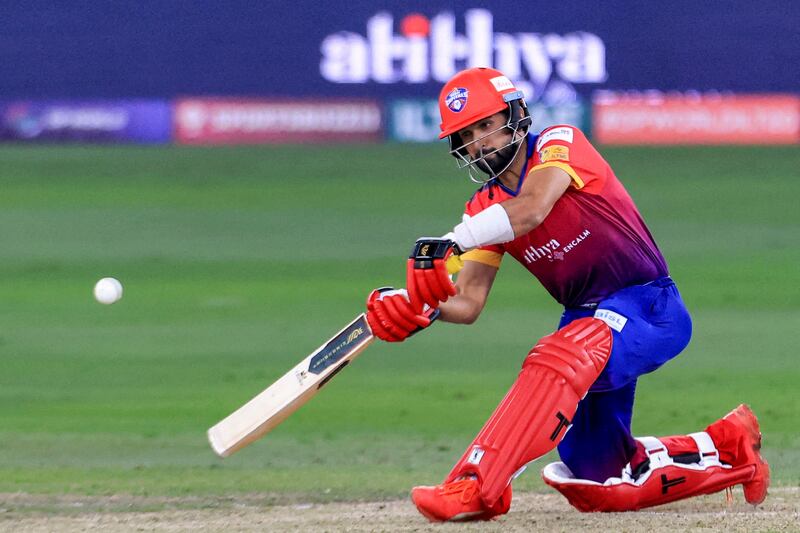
458	500
748	452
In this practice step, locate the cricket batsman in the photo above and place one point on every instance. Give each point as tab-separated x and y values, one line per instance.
554	204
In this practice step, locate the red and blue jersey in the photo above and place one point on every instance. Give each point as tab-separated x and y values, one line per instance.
593	242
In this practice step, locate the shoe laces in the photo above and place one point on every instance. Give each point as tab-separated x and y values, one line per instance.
467	488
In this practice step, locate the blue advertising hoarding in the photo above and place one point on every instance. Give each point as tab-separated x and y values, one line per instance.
365	49
97	121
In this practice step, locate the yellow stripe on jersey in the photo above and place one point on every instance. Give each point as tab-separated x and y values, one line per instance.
486	257
563	166
456	262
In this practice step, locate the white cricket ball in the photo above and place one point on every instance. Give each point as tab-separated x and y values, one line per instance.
107	291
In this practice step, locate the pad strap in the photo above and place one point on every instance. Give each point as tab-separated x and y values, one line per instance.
709	455
656	451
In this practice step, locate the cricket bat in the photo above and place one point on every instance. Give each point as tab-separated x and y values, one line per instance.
260	415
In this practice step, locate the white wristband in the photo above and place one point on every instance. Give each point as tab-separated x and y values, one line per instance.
490	226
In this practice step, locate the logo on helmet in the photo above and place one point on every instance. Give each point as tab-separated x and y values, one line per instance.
456	99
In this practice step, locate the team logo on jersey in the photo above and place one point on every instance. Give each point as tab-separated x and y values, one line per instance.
554	153
456	100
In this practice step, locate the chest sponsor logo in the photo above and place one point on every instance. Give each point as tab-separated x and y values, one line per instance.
534	253
576	241
552	250
554	153
564	133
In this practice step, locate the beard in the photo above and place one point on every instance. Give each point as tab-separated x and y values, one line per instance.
498	161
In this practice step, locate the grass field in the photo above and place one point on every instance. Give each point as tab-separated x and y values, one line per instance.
237	262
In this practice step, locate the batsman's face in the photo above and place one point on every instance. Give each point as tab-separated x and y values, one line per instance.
485	135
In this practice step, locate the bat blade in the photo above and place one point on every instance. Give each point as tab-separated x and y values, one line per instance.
272	406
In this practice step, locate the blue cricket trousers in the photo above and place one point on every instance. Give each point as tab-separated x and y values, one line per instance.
650	325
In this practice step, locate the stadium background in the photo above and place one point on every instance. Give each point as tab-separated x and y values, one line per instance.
239	259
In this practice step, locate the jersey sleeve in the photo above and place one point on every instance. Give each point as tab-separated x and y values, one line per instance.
492	254
567	148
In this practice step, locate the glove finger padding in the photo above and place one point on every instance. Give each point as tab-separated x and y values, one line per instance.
427	277
439	281
376	317
418	291
391	317
394	311
399	309
378	329
388	323
443	275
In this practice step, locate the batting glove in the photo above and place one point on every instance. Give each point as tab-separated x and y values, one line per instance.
391	317
427	278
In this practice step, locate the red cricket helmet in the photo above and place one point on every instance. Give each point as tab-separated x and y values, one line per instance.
477	93
473	94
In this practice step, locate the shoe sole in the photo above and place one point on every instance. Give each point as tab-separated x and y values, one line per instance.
748	420
462	517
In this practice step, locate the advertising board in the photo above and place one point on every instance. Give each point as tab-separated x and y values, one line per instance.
696	119
396	49
253	121
100	121
411	120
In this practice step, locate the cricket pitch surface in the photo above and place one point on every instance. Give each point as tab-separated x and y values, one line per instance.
529	512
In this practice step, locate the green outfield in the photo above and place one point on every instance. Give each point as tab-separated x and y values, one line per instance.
237	262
